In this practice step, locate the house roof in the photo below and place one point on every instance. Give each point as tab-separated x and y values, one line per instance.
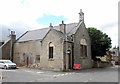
33	35
8	39
70	28
39	34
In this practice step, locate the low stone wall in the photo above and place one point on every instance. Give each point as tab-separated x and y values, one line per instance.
100	64
86	63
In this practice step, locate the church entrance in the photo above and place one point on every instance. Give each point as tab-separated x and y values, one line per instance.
69	60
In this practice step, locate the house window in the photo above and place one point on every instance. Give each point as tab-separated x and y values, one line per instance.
51	48
84	50
81	50
83	44
50	52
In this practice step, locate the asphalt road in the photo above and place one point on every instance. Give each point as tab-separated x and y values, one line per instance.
109	74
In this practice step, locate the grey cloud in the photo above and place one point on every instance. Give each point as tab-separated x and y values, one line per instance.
109	25
18	27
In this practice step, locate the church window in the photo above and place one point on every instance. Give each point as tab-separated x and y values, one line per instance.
51	48
83	44
84	50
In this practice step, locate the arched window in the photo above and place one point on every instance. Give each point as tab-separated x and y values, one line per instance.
83	45
83	42
51	48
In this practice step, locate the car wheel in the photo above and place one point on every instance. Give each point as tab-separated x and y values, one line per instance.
5	67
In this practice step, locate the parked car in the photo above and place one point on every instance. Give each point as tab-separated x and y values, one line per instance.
7	64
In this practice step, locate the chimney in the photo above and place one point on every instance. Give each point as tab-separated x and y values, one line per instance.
63	27
13	36
13	39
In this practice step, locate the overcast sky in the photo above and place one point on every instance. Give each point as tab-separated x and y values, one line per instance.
23	15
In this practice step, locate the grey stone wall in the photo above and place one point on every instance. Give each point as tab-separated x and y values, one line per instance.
38	48
29	49
78	58
56	38
25	53
1	43
5	50
68	56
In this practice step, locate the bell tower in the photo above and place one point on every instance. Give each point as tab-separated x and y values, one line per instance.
81	16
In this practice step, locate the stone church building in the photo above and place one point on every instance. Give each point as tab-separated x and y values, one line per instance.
56	47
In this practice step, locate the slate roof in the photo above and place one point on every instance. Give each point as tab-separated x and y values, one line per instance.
39	34
70	28
8	39
33	35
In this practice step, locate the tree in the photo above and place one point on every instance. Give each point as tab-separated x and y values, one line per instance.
100	42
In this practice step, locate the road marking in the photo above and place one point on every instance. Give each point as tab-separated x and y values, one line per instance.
62	74
40	72
28	71
58	75
66	73
8	70
88	80
53	76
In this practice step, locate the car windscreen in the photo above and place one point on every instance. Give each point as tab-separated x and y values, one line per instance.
7	61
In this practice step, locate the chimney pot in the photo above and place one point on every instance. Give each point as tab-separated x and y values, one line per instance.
12	32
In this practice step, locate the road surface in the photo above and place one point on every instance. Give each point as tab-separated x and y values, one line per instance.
109	74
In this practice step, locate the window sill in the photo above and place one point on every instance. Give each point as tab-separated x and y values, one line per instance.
51	59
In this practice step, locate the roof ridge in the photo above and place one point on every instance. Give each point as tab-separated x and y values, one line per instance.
72	23
38	29
48	27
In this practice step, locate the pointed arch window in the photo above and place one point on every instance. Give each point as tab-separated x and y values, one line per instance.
83	44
